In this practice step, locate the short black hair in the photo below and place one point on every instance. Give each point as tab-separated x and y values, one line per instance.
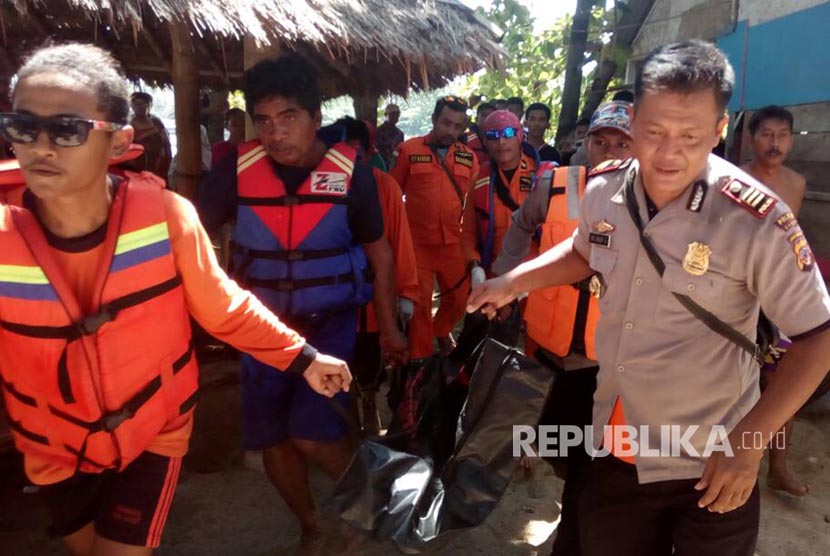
355	129
771	112
516	100
141	95
687	67
288	76
234	112
625	95
88	65
452	102
538	106
485	106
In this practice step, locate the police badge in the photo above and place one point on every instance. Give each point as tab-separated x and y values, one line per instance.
696	261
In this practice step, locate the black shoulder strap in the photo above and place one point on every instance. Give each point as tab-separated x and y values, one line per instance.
707	318
458	190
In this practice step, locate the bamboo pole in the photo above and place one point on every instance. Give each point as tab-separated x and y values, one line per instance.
186	87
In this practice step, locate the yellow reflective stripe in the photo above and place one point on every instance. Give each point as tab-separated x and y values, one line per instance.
139	238
482	182
251	161
22	274
241	160
342	158
338	163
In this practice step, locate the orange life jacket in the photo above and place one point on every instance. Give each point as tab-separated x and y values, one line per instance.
91	391
562	318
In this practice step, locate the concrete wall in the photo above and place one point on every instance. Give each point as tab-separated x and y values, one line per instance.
759	11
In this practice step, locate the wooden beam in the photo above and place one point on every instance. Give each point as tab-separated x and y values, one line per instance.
211	56
155	45
186	88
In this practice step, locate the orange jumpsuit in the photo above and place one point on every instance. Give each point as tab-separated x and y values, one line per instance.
478	212
396	229
435	208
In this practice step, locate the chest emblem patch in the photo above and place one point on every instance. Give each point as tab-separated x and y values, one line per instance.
329	183
696	261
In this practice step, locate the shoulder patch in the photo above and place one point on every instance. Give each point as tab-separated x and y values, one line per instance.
749	197
525	183
609	166
464	158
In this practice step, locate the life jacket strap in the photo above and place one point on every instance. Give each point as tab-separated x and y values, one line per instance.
292	285
293	200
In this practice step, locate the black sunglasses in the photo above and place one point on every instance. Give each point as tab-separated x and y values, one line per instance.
63	131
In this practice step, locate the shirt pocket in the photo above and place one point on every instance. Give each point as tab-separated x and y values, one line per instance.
706	290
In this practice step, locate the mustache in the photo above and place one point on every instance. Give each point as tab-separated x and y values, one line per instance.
774	152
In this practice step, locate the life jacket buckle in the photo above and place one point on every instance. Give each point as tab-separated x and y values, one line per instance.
285	285
291	200
91	323
114	420
295	255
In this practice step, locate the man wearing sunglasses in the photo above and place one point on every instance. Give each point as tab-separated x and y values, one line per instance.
503	183
436	173
99	276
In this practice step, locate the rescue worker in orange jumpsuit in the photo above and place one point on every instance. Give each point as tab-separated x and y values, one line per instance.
99	276
436	174
367	364
561	320
504	181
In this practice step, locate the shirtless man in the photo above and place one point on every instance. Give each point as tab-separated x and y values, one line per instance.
771	129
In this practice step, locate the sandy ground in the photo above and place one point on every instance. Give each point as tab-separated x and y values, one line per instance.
224	507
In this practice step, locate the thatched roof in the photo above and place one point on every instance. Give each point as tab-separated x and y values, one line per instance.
359	46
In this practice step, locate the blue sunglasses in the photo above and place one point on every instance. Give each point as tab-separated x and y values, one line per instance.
507	133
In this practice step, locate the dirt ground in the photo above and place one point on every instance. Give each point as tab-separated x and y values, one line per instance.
226	507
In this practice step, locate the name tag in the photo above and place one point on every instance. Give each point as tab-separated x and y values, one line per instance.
465	159
525	184
595	238
420	158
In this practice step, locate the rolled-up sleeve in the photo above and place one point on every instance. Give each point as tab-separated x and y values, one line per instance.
523	225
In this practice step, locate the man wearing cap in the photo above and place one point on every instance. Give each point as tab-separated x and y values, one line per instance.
388	136
436	173
688	248
560	321
504	181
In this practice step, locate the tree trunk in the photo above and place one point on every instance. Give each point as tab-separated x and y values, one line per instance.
573	67
366	108
186	89
625	30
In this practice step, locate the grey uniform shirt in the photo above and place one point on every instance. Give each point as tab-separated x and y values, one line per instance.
665	365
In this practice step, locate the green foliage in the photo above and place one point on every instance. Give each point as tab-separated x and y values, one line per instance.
535	64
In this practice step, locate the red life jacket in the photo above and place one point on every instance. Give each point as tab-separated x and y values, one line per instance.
91	391
562	318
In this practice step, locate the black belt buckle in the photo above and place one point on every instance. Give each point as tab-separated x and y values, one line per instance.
295	255
91	323
291	200
114	420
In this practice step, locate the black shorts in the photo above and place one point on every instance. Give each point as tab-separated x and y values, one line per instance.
129	507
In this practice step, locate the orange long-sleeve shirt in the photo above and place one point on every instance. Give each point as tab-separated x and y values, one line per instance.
433	205
519	188
216	302
396	229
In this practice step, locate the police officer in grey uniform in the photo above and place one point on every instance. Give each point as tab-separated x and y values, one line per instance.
730	246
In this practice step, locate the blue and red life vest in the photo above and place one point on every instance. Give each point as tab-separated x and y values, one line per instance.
295	251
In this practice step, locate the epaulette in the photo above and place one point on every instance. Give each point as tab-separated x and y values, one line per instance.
757	202
609	166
